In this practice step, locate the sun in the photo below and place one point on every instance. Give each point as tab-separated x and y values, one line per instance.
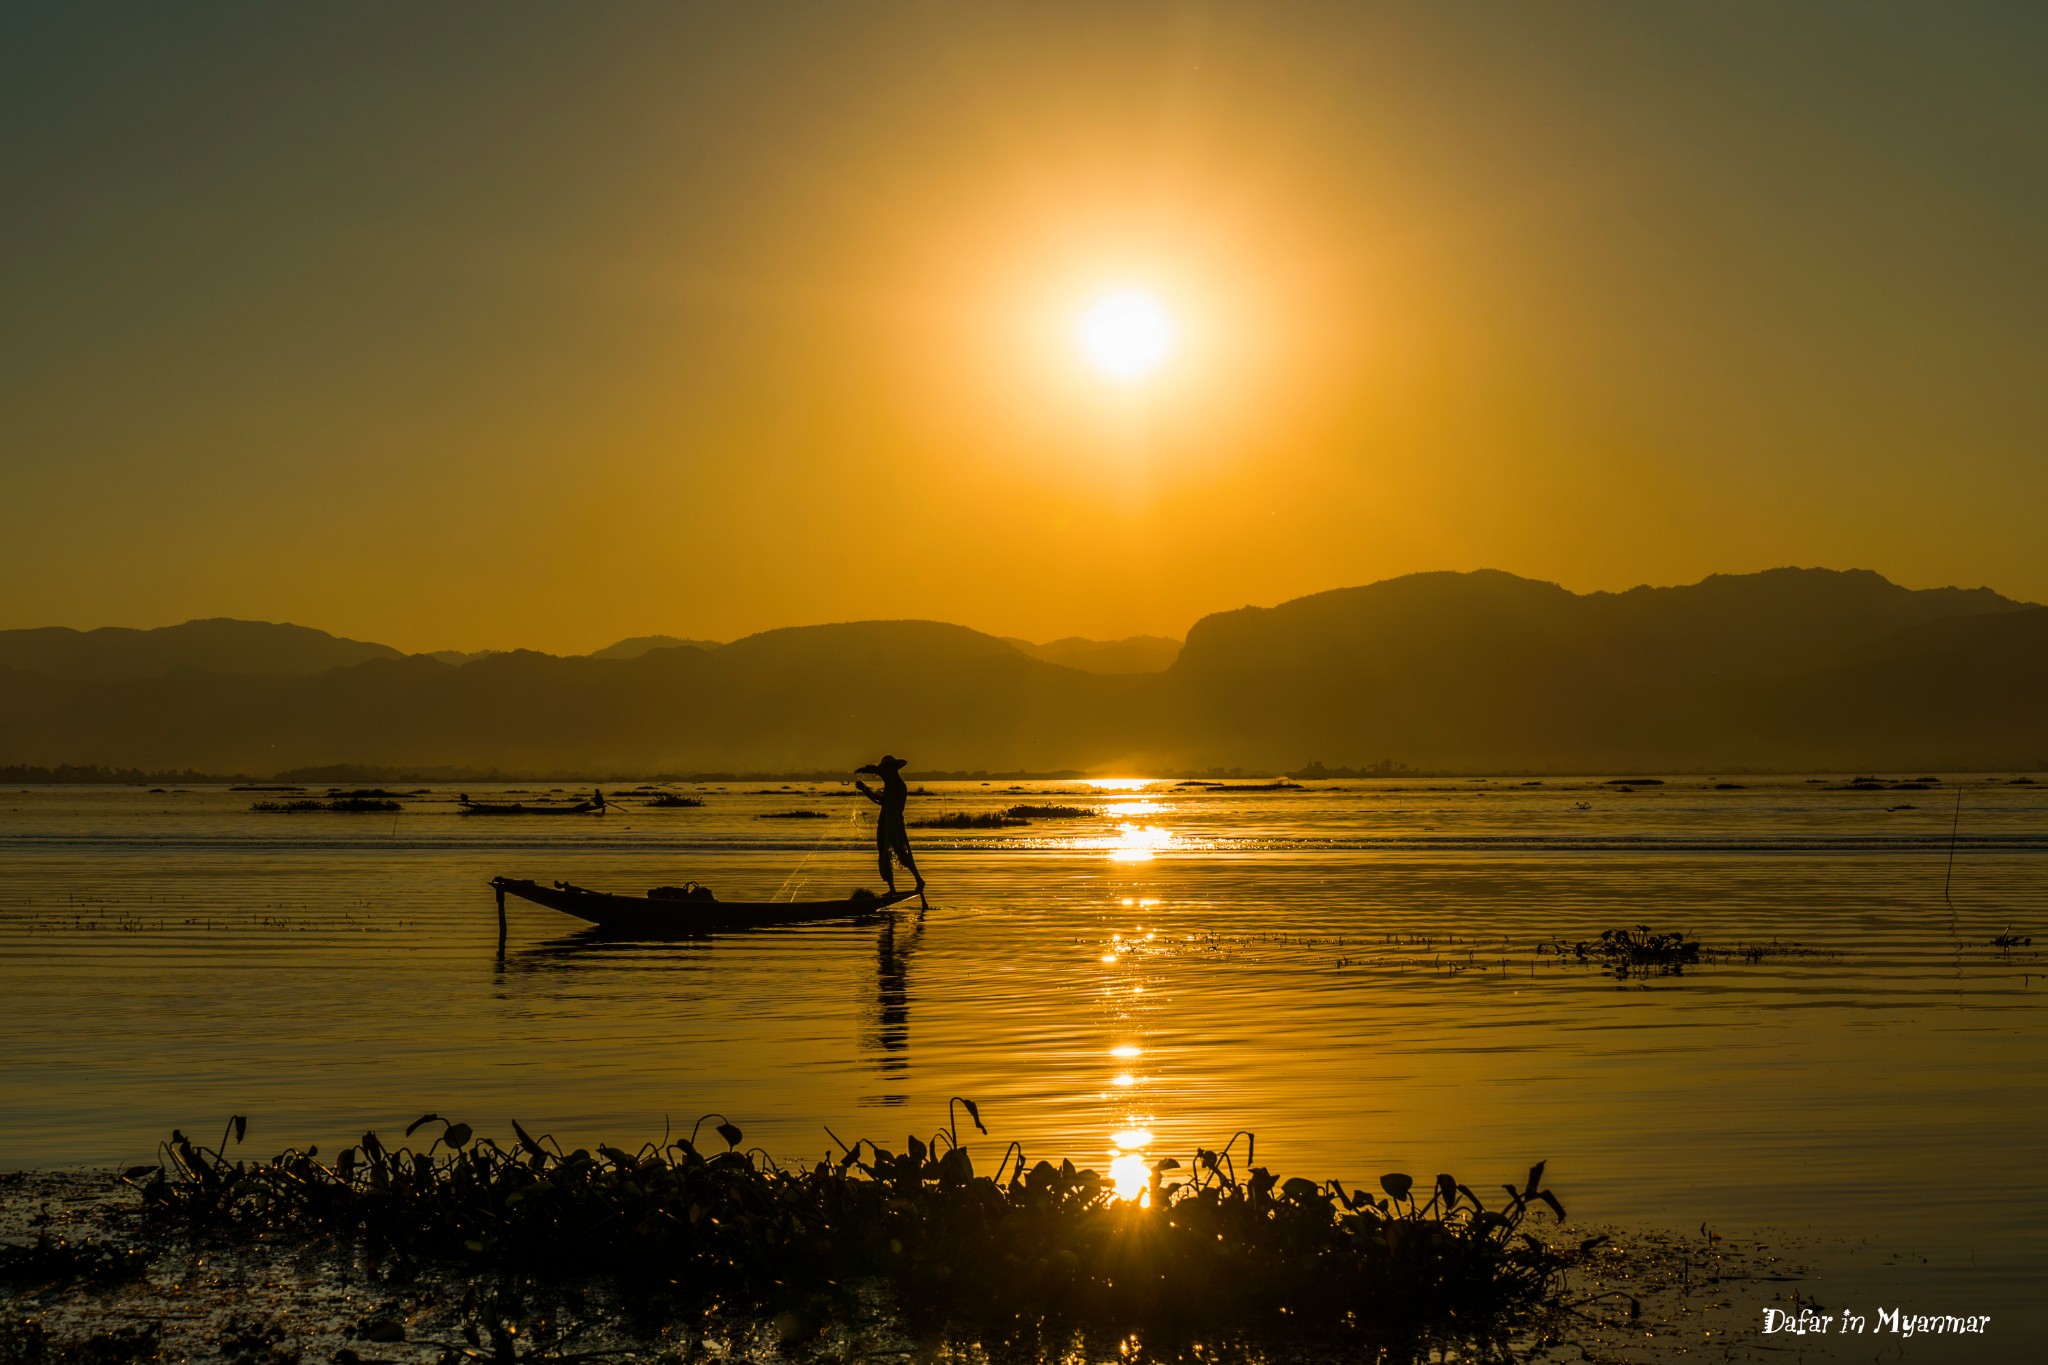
1126	335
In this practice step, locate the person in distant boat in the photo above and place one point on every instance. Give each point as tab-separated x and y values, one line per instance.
597	799
891	840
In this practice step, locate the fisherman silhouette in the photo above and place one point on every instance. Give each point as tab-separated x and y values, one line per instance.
890	837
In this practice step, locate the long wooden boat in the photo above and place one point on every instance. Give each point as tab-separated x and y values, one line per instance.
521	808
683	916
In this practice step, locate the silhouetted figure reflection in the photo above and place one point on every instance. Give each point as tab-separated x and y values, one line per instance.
892	994
891	839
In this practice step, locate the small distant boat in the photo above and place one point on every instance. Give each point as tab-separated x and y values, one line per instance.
680	914
594	806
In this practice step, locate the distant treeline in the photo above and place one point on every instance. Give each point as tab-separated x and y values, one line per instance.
356	772
87	774
1386	767
91	774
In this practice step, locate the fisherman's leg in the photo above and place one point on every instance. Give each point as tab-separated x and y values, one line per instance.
882	860
903	856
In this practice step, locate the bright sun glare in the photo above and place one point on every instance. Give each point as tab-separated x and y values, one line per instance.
1126	335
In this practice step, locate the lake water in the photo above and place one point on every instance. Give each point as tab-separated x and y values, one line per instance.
1354	972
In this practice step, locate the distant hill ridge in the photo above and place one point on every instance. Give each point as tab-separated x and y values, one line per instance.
634	647
1134	654
1793	668
265	649
217	645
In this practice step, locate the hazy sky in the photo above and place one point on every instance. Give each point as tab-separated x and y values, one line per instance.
467	325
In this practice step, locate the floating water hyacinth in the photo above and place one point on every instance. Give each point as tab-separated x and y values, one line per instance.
1199	1248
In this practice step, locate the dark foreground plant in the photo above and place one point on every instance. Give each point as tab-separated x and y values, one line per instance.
56	1260
1204	1251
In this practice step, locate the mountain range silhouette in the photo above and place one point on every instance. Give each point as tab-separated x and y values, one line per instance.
1789	670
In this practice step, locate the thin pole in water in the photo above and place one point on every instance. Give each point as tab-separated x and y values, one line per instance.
501	920
1952	831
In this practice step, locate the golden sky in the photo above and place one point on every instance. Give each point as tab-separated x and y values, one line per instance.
460	326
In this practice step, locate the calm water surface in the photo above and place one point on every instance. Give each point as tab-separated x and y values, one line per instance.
1353	972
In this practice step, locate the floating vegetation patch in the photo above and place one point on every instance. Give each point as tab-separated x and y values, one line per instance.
1633	782
794	815
671	801
346	805
1774	951
962	819
2008	940
1050	812
1628	950
675	1230
366	793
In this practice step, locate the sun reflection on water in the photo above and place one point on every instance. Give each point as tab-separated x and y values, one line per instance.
1132	807
1126	1012
1133	1178
1138	843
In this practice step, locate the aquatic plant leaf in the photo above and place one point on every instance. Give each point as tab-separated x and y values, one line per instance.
241	1125
457	1136
423	1119
525	1138
137	1172
1536	1176
1397	1184
974	1112
731	1133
